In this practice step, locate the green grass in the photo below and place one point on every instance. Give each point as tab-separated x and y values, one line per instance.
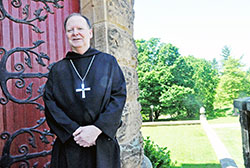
189	145
231	137
224	120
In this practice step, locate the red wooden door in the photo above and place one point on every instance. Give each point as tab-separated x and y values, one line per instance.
31	38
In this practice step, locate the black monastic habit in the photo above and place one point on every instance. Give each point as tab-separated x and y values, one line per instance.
66	110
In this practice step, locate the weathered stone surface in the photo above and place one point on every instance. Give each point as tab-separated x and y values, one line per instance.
84	3
131	123
121	13
131	82
87	9
99	11
100	37
113	33
122	45
131	153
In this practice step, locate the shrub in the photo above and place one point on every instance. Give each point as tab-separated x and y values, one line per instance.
159	156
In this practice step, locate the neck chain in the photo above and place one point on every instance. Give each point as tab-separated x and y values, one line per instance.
83	89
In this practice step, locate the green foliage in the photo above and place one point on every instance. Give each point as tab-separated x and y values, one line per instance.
179	102
206	79
154	58
173	84
159	156
234	83
179	86
182	73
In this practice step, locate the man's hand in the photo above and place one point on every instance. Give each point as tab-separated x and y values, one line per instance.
86	135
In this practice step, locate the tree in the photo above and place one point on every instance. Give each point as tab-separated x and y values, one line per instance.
247	84
215	65
176	101
173	84
182	73
205	79
178	97
226	52
233	83
154	60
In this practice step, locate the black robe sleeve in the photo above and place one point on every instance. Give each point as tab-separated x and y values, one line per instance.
109	120
58	121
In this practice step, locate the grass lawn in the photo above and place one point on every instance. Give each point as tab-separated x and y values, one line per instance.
231	137
224	120
189	145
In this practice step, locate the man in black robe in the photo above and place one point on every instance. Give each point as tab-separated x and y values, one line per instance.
84	98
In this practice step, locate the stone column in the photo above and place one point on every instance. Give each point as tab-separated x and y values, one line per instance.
243	105
112	22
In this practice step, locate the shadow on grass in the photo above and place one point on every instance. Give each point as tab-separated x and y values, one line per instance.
205	165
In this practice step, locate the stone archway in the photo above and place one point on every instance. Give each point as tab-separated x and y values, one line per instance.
113	33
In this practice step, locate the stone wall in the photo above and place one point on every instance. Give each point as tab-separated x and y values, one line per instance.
112	22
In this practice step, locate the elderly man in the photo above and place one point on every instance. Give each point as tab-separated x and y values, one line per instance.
84	98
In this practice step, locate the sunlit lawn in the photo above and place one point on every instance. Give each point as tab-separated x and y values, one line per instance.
224	120
231	137
189	145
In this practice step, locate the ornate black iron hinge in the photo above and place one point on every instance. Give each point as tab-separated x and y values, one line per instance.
20	75
7	159
26	12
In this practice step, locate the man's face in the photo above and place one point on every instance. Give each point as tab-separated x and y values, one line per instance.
78	33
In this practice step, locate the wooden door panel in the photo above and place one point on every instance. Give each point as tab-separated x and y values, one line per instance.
25	57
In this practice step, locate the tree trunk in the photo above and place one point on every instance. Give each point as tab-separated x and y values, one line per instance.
157	114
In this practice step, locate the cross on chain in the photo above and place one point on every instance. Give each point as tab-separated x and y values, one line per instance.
83	89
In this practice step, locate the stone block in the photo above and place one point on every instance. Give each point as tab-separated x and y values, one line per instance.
87	11
131	124
121	12
99	40
132	153
100	12
84	3
131	82
122	46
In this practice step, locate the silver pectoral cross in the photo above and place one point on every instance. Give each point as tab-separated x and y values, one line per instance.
83	89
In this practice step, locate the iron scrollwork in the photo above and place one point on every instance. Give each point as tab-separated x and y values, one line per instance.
7	159
26	12
20	75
